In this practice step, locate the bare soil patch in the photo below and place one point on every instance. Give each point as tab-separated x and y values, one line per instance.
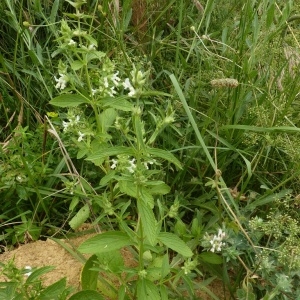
50	253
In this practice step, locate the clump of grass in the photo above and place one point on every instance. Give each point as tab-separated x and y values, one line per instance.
220	93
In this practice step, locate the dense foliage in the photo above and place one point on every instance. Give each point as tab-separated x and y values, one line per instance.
171	126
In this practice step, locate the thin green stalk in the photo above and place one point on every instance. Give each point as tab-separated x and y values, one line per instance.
200	139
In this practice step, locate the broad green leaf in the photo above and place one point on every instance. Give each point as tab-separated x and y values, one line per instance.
89	277
119	103
68	100
158	188
95	55
74	202
111	260
105	242
148	221
80	217
76	65
107	118
159	268
53	291
98	157
130	188
211	258
87	295
173	242
164	155
147	290
107	178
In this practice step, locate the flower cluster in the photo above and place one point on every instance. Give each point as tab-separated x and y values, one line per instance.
217	241
124	163
61	81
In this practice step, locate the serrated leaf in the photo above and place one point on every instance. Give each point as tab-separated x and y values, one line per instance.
68	100
119	103
81	216
76	65
159	268
99	156
211	258
164	155
158	188
112	260
107	118
173	242
129	188
148	221
105	242
147	290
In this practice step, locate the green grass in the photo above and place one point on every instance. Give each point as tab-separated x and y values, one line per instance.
236	140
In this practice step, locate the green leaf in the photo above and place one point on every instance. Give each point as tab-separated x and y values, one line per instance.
173	242
81	216
158	188
38	273
68	100
89	277
98	157
112	260
105	242
107	178
76	65
87	295
119	103
159	268
53	14
147	290
107	118
211	258
129	188
164	155
148	221
53	291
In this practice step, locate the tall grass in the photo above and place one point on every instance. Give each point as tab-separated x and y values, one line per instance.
232	70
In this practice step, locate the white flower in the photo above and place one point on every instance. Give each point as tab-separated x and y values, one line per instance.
61	81
91	47
94	91
217	241
72	43
114	165
105	82
77	118
28	273
115	79
112	92
65	125
132	166
127	86
81	135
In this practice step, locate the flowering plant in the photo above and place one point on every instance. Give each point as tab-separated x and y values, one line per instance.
105	122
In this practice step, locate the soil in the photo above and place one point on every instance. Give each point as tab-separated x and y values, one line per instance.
51	253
